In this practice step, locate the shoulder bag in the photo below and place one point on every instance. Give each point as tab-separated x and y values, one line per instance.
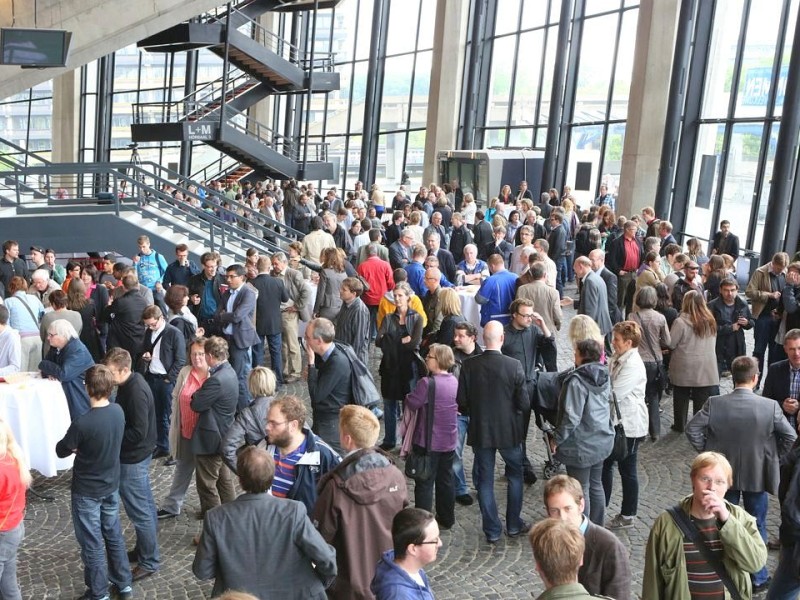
419	463
661	371
691	533
620	450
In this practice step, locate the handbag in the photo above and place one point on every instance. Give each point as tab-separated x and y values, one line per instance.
661	377
419	463
691	533
620	450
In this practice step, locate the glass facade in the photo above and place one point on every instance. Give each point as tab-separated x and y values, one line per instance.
26	119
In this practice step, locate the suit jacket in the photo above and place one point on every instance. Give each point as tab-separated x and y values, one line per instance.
545	301
216	401
171	352
271	293
605	569
611	280
399	255
447	264
615	255
777	383
726	245
492	392
594	301
299	294
503	248
240	537
241	317
124	316
483	234
750	431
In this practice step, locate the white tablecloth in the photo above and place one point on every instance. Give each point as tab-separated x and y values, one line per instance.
37	412
471	309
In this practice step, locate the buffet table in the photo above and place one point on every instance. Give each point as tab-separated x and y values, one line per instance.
470	308
37	412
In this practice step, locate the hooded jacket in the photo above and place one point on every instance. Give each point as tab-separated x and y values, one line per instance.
584	432
393	583
354	511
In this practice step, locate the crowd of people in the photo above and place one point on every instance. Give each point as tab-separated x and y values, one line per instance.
168	360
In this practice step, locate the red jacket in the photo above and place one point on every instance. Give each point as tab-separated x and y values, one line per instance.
378	274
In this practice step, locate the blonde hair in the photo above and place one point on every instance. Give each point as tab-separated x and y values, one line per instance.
449	302
9	447
706	460
261	382
557	549
360	424
583	327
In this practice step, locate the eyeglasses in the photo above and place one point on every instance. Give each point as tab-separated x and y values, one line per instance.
436	541
705	480
525	316
232	276
276	423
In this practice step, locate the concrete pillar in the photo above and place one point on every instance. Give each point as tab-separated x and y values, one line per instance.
450	34
647	104
66	116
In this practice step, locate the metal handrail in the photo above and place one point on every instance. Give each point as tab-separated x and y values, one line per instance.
5	154
211	92
215	170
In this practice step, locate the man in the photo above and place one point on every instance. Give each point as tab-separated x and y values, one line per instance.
42	286
483	232
491	392
95	438
395	229
378	275
328	380
558	549
301	458
751	431
353	320
594	299
524	337
150	265
236	316
764	292
733	317
362	239
11	265
519	256
374	239
37	260
471	270
67	362
557	241
465	346
124	316
317	240
400	251
416	271
724	241
120	271
360	496
338	233
604	198
650	221
605	568
783	378
138	443
271	295
163	357
665	233
678	265
447	263
498	245
205	293
460	237
598	259
436	226
497	292
691	280
524	192
215	402
623	257
292	311
10	346
542	248
258	529
545	300
181	270
430	302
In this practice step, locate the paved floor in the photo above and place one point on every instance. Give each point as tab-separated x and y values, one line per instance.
468	567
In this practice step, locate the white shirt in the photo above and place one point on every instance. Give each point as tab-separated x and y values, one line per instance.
229	308
156	366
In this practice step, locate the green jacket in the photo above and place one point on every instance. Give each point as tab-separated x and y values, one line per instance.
568	591
665	576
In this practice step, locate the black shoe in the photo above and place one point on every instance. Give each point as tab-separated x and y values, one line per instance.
133	556
444	526
675	429
387	447
526	527
160	453
169	461
529	477
138	573
492	541
465	500
762	587
165	514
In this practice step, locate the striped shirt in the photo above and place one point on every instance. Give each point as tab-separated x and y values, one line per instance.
285	470
704	583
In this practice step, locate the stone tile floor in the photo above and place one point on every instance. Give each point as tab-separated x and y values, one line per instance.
467	567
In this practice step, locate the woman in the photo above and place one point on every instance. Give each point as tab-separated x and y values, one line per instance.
468	209
250	424
572	221
443	436
414	220
694	250
89	334
450	305
505	195
491	210
378	199
693	366
328	303
628	381
25	313
178	313
583	327
73	270
98	294
651	274
514	223
714	272
295	255
15	478
664	304
58	302
655	335
398	338
183	423
608	228
741	549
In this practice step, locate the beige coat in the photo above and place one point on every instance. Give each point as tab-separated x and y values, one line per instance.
545	301
694	359
759	289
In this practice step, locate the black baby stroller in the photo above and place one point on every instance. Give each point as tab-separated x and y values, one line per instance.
545	408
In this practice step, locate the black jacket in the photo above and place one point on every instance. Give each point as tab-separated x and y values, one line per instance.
447	264
271	292
459	237
730	343
329	383
136	400
558	243
483	234
124	316
777	384
216	401
10	269
171	352
615	254
197	284
504	249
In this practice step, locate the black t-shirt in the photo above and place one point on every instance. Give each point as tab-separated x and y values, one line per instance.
96	438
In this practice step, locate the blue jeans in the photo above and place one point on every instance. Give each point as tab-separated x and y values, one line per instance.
459	477
241	361
629	476
764	332
755	503
570	268
561	275
9	544
137	498
275	355
98	531
786	580
591	480
162	397
391	412
483	478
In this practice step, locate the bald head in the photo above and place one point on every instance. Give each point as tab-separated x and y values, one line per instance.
598	258
433	277
493	335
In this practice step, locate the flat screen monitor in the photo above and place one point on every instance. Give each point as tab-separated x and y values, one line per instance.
35	48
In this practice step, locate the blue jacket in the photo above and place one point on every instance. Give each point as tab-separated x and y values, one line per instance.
318	460
495	296
68	365
393	583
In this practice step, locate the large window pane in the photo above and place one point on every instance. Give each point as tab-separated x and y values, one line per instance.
594	71
598	6
722	56
763	197
396	92
758	59
500	81
709	148
403	16
507	19
740	175
624	69
527	81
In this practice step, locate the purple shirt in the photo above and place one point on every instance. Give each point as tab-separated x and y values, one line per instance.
445	416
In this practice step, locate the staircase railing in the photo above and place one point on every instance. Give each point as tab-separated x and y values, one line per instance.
216	170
